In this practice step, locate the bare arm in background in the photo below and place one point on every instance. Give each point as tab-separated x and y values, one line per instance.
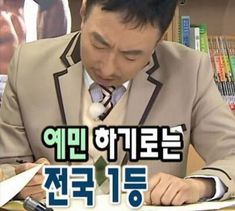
53	19
12	30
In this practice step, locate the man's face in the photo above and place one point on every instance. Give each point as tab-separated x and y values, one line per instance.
113	52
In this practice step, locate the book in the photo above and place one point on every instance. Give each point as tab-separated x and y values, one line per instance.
195	37
225	58
212	51
217	58
203	38
185	30
230	46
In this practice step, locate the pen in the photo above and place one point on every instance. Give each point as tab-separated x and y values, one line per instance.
34	205
21	161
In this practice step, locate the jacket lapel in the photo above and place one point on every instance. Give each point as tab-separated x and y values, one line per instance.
68	83
143	93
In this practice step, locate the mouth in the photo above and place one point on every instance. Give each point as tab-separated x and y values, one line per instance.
104	81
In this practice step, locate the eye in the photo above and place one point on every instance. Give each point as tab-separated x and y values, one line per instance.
130	59
98	46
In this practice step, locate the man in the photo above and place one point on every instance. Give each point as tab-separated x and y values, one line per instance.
161	83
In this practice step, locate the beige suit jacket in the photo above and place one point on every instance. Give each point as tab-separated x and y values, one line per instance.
176	88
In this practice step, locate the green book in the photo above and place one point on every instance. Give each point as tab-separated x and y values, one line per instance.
204	46
231	55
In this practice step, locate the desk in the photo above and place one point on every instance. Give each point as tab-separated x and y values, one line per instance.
102	203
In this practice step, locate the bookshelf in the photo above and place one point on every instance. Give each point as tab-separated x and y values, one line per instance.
219	17
217	14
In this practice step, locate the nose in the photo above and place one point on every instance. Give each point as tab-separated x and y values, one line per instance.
109	67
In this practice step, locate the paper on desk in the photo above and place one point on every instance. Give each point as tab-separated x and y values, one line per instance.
102	203
213	205
10	187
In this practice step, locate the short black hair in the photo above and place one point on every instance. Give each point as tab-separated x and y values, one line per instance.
158	13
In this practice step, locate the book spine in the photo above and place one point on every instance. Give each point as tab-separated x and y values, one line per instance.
218	59
185	30
203	38
230	45
195	38
225	58
212	50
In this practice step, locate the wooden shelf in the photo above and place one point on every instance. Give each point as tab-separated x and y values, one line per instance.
219	15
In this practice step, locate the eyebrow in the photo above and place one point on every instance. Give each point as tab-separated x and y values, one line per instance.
133	52
102	40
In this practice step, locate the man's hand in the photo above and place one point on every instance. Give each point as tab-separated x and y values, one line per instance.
165	189
33	188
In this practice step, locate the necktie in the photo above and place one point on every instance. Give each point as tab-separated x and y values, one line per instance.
108	96
106	100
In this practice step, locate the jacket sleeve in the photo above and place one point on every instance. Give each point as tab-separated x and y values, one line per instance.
13	139
213	130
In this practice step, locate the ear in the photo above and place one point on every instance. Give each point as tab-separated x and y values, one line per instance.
158	41
83	10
